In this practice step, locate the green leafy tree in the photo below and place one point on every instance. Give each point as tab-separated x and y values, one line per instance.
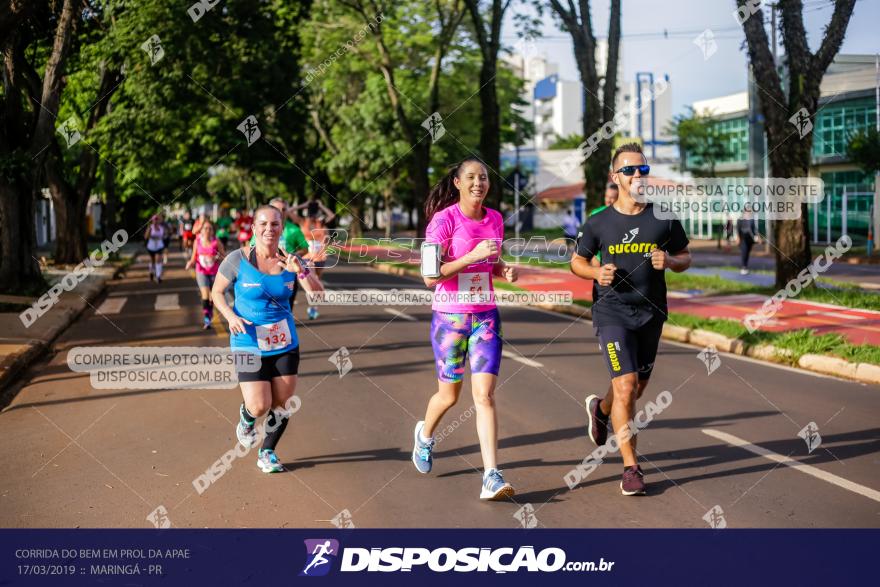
699	140
599	91
36	41
863	149
409	42
572	141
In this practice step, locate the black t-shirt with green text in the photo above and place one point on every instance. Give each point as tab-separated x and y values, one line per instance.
638	293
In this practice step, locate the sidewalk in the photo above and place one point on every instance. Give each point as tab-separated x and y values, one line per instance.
20	345
858	326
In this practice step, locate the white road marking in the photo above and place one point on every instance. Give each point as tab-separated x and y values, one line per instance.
149	292
400	314
167	302
111	306
808	469
521	359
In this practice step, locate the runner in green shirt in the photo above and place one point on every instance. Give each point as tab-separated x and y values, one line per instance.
224	221
610	198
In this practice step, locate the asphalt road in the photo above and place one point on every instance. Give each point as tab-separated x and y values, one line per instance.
76	456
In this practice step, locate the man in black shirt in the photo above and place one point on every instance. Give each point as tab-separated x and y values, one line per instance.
629	299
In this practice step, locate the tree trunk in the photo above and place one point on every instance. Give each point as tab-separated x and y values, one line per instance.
70	217
386	197
421	184
110	213
356	228
490	130
19	270
790	154
489	41
791	237
596	112
24	135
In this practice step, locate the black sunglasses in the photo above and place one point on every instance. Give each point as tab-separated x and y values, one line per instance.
630	170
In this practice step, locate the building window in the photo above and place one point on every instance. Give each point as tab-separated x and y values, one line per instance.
836	122
859	188
737	131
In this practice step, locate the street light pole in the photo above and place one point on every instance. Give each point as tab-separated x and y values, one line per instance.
875	209
516	192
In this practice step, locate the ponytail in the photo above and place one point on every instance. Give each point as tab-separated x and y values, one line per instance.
444	194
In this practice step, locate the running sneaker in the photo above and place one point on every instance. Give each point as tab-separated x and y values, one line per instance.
206	323
633	482
597	422
495	487
247	434
268	461
312	313
421	455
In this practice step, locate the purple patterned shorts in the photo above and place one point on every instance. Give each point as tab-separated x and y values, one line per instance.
455	336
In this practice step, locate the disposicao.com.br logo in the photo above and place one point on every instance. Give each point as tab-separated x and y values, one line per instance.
444	559
320	554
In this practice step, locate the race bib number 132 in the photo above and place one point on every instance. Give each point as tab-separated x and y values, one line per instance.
271	337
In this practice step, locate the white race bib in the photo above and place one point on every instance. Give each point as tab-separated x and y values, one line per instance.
473	288
271	337
206	261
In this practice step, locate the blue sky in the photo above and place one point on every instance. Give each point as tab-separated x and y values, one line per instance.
646	49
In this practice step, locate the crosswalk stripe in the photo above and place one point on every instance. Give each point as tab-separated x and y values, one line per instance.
112	306
149	292
167	302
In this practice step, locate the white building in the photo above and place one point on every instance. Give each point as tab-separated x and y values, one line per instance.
554	105
647	100
557	110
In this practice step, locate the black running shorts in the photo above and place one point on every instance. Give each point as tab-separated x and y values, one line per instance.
273	366
630	351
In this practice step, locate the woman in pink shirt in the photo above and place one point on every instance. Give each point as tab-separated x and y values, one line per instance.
207	253
465	324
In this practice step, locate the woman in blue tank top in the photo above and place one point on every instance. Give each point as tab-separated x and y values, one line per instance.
261	323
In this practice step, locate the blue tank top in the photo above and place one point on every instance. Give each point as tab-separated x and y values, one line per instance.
264	300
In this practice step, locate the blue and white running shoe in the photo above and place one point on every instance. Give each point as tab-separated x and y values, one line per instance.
495	487
421	456
246	434
268	462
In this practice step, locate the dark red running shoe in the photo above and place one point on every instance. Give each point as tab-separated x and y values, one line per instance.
633	482
597	422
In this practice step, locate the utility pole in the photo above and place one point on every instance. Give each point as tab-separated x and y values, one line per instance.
768	224
516	191
757	166
875	209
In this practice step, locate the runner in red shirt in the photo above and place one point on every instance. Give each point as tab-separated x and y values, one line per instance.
244	223
187	236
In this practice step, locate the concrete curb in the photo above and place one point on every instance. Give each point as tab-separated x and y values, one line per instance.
62	315
825	364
